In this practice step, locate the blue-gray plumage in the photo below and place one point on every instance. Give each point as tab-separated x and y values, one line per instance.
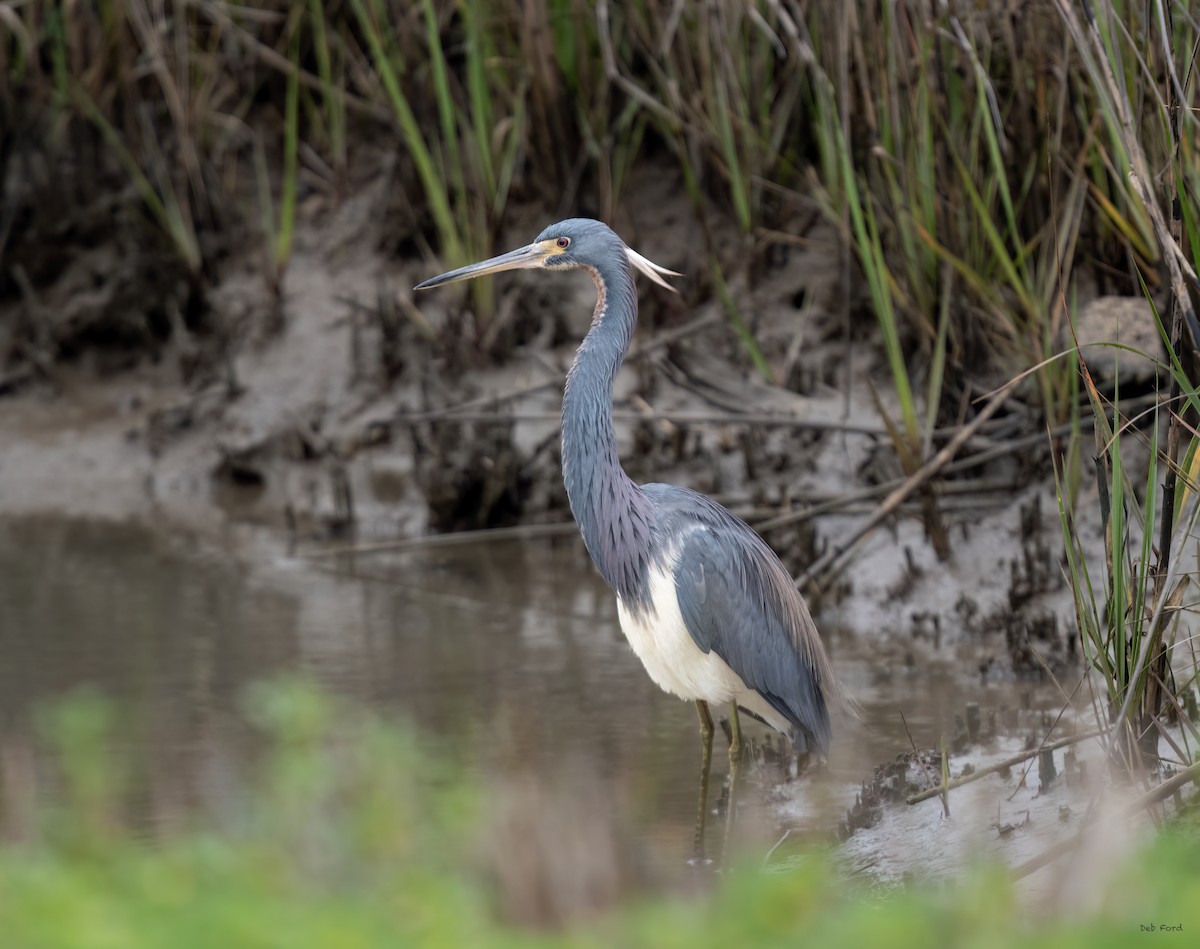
704	602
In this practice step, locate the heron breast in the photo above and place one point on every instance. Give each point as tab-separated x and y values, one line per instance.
660	638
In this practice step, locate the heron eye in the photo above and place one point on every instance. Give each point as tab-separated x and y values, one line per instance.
563	243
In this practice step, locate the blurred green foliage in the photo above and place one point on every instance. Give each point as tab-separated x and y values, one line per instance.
352	836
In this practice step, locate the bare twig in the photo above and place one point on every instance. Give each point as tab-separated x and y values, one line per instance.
770	853
1003	764
865	494
835	561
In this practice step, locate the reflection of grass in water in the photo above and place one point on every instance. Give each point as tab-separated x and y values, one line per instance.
352	837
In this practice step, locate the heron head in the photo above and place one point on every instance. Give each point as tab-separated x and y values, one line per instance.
577	242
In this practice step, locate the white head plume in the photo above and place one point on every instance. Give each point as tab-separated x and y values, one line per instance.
651	269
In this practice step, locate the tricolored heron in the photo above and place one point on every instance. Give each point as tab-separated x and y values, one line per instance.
704	602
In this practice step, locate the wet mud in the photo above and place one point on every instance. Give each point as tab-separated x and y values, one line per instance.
262	429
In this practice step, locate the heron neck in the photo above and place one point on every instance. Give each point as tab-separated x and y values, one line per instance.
612	512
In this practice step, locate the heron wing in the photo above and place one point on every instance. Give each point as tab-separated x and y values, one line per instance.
739	601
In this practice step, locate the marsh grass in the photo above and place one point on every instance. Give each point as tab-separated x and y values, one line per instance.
1131	609
1130	606
329	118
964	175
965	236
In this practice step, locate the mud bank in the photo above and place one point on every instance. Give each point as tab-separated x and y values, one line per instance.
349	414
349	411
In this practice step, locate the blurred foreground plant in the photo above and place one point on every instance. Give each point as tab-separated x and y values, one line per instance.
353	835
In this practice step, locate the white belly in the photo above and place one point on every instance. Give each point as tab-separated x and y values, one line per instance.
661	640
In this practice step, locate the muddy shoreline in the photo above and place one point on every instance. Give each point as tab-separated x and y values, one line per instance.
341	418
340	415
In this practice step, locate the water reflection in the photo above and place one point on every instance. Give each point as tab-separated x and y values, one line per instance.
507	656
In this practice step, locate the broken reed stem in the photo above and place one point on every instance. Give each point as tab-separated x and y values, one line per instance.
836	560
1001	765
944	790
866	494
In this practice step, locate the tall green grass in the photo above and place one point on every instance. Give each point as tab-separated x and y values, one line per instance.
331	115
965	177
1130	604
1131	609
465	162
966	236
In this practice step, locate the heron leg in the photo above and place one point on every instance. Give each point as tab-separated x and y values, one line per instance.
735	733
735	772
706	722
706	738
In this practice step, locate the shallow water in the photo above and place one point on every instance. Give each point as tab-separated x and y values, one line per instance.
506	655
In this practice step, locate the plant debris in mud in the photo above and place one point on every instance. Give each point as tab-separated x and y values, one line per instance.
471	476
90	283
893	783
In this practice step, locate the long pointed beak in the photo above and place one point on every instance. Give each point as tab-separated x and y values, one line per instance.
531	255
